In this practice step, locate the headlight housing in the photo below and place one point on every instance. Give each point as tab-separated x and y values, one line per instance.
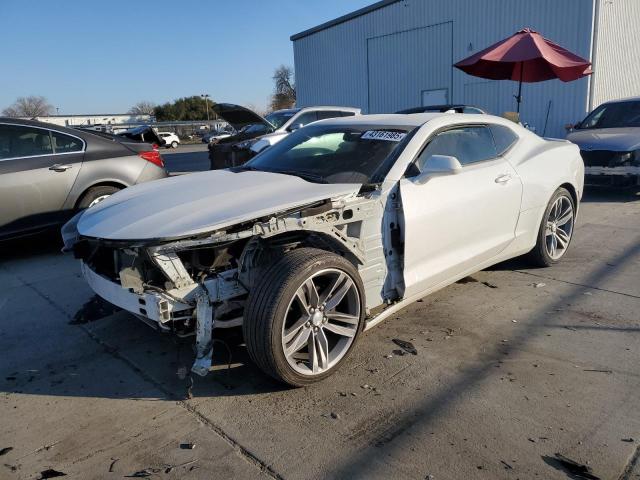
621	159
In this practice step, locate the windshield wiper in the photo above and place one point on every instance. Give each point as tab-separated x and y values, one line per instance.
303	174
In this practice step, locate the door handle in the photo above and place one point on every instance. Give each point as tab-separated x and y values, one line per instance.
504	178
60	168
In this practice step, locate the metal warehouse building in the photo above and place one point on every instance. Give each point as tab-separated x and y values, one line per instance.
398	54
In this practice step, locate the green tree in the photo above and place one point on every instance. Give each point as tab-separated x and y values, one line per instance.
184	109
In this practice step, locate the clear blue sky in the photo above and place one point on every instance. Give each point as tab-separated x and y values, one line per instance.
103	56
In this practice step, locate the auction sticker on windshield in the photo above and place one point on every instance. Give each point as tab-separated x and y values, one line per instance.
383	135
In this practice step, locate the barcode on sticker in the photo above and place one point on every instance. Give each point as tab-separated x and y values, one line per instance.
383	135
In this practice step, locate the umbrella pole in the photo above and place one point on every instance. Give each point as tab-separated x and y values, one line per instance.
519	97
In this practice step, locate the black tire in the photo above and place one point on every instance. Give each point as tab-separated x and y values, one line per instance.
94	193
267	305
539	256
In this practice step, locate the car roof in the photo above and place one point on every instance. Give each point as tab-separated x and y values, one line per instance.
387	119
35	123
621	100
330	107
418	119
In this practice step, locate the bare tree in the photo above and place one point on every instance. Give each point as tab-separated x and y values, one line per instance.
284	95
143	108
32	106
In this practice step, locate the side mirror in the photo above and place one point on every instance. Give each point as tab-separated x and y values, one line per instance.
436	166
295	127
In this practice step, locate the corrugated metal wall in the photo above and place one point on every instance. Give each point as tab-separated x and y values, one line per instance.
617	51
332	65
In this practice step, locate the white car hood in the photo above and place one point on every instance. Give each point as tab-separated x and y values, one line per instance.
191	204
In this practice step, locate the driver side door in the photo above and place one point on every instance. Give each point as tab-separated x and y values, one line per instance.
457	220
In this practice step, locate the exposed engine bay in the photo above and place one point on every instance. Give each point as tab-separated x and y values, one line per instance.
192	286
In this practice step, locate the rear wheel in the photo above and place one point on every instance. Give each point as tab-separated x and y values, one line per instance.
95	195
556	230
304	316
174	144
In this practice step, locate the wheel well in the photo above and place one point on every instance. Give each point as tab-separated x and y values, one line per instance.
319	240
572	191
101	184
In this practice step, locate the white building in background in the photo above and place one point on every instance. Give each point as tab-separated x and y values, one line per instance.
96	119
398	54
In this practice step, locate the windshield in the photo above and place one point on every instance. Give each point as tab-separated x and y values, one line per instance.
334	154
277	119
255	128
614	115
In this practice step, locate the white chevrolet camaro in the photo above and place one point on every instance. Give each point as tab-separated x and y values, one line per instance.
329	232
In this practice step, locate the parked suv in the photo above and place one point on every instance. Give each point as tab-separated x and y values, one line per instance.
255	133
287	121
48	172
171	140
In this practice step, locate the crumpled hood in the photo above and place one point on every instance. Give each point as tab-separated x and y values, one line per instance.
614	139
187	205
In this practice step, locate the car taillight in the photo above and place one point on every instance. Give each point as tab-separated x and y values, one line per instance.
152	156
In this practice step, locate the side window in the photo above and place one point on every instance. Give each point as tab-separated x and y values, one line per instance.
19	141
468	144
503	137
65	143
322	114
5	141
305	118
347	114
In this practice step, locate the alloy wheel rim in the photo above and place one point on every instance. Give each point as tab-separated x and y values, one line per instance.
559	227
97	200
321	322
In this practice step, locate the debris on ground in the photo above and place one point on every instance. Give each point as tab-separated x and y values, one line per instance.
51	473
147	472
187	446
490	285
506	465
388	356
628	440
335	416
578	470
406	346
5	450
114	461
597	370
539	285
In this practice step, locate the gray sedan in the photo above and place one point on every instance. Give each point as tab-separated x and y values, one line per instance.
48	172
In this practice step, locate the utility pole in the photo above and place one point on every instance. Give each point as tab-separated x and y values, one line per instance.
206	97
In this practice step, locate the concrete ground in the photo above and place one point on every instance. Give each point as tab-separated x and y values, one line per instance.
513	366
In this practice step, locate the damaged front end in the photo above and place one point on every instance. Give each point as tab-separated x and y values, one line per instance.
192	286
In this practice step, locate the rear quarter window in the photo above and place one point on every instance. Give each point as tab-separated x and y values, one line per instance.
503	137
65	143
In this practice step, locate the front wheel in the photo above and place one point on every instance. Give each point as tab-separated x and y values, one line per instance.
304	316
556	230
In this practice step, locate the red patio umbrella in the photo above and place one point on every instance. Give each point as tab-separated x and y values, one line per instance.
526	56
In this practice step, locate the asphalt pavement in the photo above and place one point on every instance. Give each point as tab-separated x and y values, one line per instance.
186	158
514	365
